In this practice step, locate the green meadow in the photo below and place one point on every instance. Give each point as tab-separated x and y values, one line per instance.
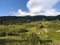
33	33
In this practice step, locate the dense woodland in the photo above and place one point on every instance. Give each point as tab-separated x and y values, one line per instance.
23	19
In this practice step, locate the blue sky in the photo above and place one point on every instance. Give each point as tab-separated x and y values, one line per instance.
57	6
9	6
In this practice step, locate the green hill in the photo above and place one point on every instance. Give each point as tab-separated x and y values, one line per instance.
22	28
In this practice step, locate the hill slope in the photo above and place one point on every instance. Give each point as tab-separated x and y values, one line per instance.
23	19
21	28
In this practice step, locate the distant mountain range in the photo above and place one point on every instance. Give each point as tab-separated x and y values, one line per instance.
23	19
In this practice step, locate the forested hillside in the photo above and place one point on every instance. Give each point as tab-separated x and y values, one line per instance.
23	19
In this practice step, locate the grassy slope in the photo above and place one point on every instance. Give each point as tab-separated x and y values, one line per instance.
48	31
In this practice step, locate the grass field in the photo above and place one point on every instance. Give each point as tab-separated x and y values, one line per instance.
42	30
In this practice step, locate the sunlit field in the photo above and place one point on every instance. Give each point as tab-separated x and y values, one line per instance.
31	33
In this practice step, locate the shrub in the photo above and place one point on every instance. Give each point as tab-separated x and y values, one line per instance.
12	33
2	34
22	30
33	38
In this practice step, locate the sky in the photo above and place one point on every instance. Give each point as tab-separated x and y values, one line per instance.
29	7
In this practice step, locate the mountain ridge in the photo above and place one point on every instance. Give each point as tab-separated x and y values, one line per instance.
23	19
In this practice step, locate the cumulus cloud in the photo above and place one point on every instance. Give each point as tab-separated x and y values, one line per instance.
51	12
40	7
20	12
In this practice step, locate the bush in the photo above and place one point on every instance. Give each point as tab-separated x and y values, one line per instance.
22	30
2	34
12	34
33	38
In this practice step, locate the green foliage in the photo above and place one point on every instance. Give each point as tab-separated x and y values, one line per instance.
12	33
2	33
32	31
22	31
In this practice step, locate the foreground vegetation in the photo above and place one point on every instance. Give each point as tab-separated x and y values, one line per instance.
33	32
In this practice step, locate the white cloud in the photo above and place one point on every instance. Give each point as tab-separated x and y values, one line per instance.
40	7
51	12
21	13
